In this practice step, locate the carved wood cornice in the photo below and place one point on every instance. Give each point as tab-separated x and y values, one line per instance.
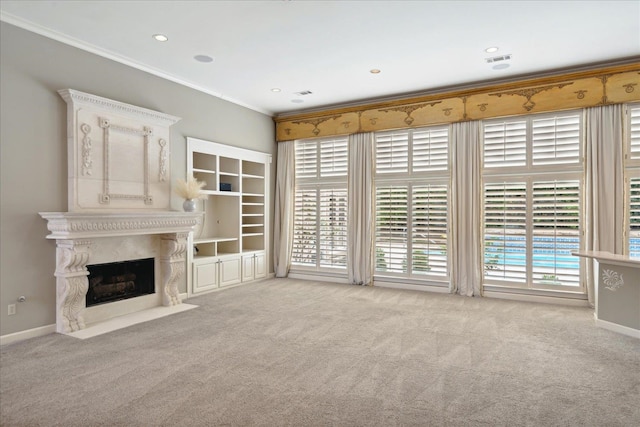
580	89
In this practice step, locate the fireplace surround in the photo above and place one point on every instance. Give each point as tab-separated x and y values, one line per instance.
92	238
119	197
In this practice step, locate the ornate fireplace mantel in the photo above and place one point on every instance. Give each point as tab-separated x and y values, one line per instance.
75	234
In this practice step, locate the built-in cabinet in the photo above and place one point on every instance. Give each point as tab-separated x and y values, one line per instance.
230	244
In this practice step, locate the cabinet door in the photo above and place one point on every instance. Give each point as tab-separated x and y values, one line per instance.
230	271
247	267
205	276
260	266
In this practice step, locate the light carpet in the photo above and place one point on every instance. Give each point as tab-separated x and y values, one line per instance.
293	353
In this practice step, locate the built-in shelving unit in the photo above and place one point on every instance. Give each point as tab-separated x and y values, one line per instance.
230	245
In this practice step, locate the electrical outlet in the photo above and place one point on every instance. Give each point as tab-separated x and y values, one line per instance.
12	309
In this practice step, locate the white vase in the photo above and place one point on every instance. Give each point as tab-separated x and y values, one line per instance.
189	205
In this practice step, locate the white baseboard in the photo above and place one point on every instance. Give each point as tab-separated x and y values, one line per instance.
412	287
318	278
574	302
625	330
29	333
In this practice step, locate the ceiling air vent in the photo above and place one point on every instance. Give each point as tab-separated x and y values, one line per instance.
498	58
304	92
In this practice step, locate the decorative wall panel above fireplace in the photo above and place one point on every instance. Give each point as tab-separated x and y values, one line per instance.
117	155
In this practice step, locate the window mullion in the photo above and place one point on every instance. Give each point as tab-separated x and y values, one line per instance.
409	232
318	214
529	233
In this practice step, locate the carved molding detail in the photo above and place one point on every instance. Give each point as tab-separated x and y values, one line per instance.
86	149
604	79
612	279
145	132
629	87
316	122
172	266
580	93
63	225
530	93
118	107
409	109
71	284
162	174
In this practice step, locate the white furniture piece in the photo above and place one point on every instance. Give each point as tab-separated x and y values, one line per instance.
230	245
617	292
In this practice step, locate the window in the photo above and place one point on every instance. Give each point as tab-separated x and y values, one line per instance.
412	183
634	216
632	172
320	219
532	196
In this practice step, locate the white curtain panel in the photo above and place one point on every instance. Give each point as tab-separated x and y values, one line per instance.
284	208
360	209
605	185
466	209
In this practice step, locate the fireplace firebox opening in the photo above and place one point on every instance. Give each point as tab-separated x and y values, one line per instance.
117	281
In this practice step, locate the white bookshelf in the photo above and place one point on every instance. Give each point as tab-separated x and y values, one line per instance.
230	246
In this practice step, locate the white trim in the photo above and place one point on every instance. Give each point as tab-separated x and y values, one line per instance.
63	38
26	334
412	287
537	298
625	330
318	277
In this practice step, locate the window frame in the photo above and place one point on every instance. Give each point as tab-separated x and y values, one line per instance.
318	183
631	171
438	175
530	173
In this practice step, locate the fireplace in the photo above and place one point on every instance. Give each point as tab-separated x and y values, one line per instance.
119	188
117	281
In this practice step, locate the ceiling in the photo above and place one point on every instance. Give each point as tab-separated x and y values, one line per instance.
329	47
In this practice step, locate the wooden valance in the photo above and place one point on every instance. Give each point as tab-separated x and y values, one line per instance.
613	85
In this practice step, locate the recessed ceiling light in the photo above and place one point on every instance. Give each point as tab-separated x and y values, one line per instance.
297	101
160	37
374	71
491	49
275	89
203	58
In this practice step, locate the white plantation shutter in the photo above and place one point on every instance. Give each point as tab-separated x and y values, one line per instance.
333	227
305	228
533	182
505	218
634	133
430	150
556	232
306	159
333	157
392	152
412	200
505	144
429	230
556	140
319	237
391	228
634	217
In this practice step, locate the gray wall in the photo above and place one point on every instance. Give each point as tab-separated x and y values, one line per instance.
33	151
